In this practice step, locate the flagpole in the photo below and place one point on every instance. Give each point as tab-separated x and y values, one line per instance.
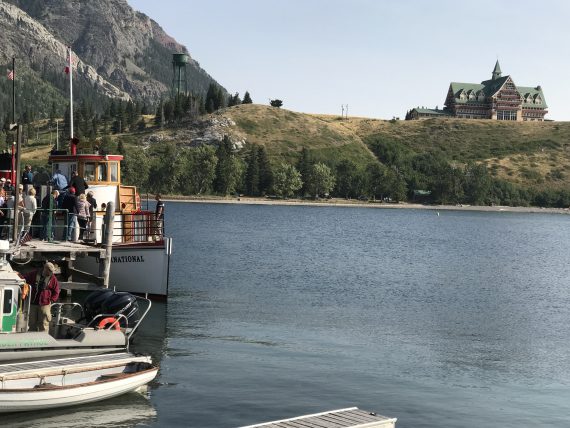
14	90
70	94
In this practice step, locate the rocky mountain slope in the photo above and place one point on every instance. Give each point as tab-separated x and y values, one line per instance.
122	53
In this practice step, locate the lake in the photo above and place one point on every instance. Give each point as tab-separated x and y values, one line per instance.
456	320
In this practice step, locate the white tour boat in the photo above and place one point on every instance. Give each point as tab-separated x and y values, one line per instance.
141	252
58	383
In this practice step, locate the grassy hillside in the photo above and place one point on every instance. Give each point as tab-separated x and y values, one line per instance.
284	133
531	154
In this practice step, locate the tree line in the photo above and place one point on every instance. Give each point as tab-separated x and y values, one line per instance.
400	176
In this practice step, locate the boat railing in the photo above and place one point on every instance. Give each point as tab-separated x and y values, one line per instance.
41	225
140	226
58	308
114	321
142	317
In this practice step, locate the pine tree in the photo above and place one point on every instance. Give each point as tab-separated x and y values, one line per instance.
159	116
247	98
225	180
252	175
304	167
265	171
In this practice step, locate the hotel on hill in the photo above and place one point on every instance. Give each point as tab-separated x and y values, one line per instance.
497	99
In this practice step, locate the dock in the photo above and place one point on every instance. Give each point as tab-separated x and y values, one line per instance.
351	417
63	253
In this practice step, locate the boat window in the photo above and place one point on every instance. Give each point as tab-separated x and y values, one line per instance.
7	306
89	171
114	170
102	172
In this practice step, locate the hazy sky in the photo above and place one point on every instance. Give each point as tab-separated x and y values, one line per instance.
381	57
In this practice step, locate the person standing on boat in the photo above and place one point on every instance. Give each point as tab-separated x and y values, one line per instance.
159	217
68	204
30	207
92	207
45	291
46	214
27	177
82	213
78	183
59	181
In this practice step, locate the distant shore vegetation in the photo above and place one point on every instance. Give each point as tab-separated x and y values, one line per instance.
327	163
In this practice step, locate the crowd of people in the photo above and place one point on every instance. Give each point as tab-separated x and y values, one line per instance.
68	197
67	211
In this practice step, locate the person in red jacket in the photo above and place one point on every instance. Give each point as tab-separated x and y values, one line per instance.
44	292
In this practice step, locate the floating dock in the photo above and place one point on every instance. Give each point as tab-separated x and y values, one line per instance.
351	417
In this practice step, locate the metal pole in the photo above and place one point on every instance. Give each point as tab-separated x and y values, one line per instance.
16	184
70	94
14	90
109	220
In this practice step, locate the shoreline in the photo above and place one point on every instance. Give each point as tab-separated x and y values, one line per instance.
335	202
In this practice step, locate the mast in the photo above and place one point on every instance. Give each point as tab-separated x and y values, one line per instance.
70	92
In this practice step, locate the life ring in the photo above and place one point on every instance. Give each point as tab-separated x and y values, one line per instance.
109	321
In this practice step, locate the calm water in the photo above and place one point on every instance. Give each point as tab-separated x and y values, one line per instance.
459	320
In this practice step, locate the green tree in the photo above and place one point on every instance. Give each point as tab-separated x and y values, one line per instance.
214	98
374	180
276	103
286	180
321	180
304	165
477	184
165	168
159	116
346	179
247	98
201	169
265	171
252	172
229	169
234	100
136	168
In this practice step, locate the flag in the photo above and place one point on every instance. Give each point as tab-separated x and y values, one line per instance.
71	61
10	74
25	238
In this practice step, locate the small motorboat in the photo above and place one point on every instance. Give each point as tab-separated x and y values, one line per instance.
104	323
66	382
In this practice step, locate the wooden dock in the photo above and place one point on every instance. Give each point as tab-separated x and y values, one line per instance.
63	254
351	417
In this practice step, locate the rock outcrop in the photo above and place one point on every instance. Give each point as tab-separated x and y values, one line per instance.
122	52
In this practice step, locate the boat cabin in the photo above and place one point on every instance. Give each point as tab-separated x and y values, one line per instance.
102	173
9	300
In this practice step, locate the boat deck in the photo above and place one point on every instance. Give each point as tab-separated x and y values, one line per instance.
67	249
59	363
351	417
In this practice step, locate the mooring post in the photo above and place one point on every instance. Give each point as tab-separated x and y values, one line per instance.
108	222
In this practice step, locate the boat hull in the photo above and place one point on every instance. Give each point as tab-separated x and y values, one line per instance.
55	386
140	268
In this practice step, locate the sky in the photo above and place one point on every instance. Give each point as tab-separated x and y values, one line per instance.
379	57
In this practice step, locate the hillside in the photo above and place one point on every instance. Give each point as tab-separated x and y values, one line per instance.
528	163
527	153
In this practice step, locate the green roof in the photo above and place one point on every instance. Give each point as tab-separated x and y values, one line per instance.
490	87
532	92
438	112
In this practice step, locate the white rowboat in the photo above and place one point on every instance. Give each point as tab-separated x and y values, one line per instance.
72	381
